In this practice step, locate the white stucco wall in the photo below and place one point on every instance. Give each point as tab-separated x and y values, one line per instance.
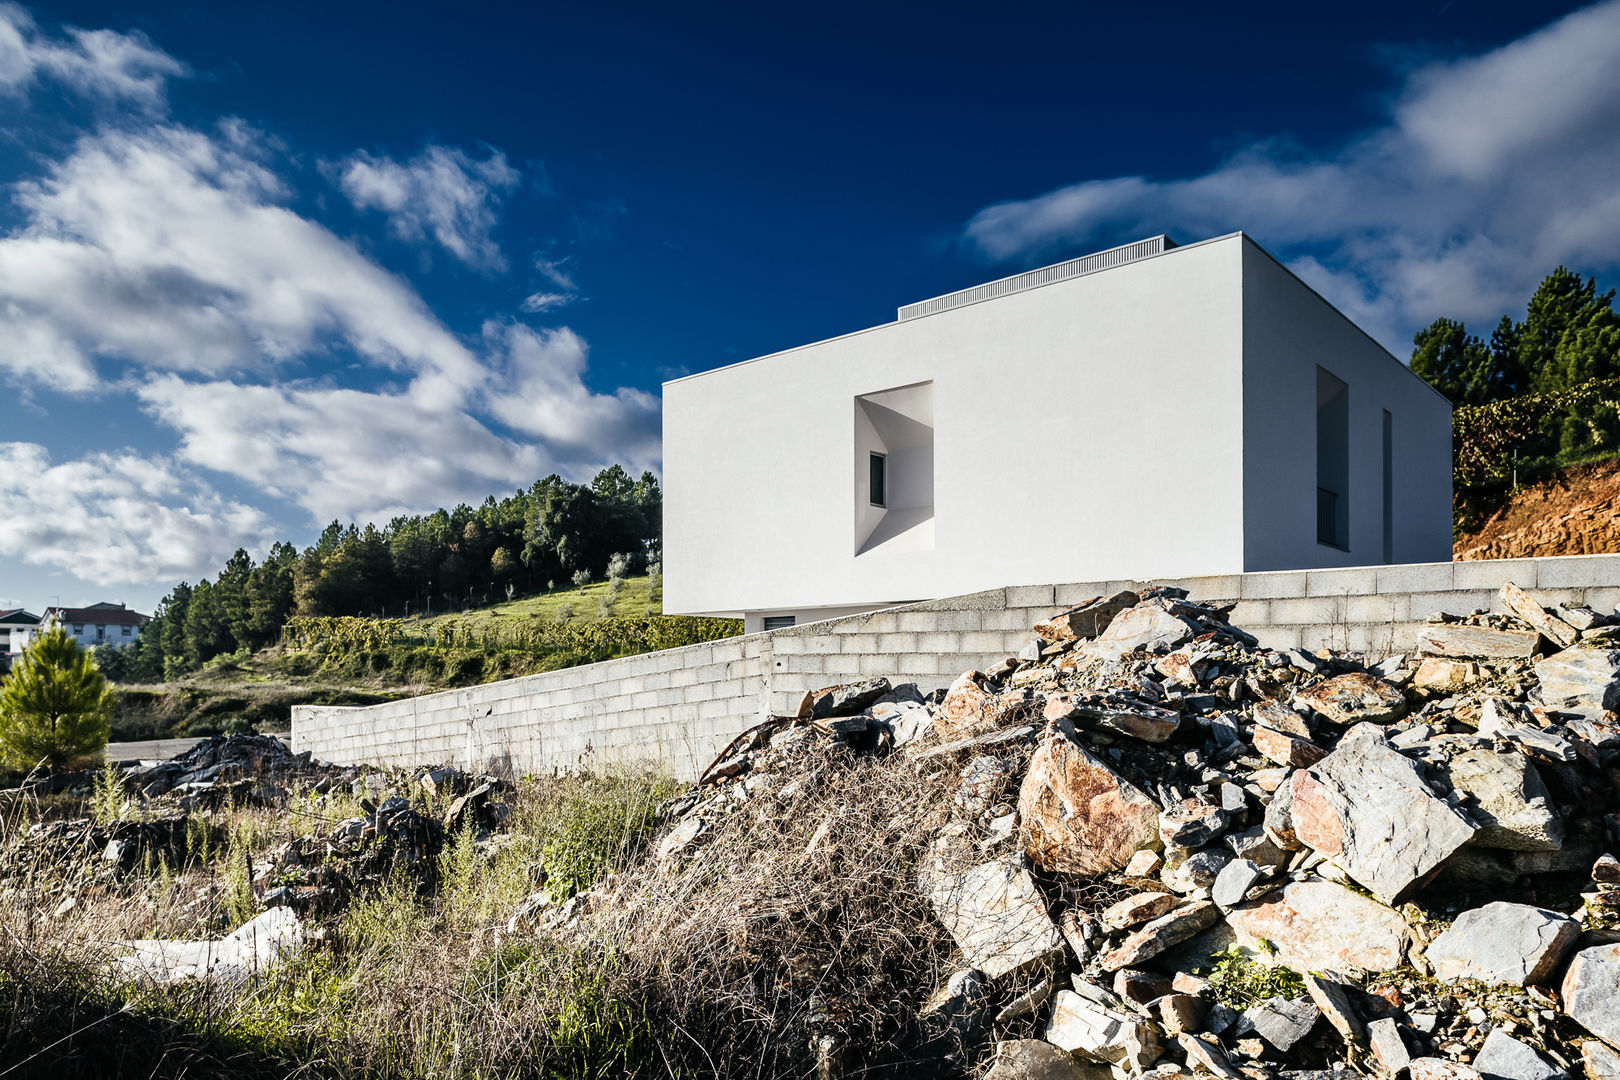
1288	330
1085	429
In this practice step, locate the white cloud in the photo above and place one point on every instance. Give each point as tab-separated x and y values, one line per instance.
541	302
541	392
1489	171
166	261
97	63
441	194
557	272
117	518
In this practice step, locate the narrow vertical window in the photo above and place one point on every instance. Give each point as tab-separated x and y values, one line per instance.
876	479
1332	461
1389	487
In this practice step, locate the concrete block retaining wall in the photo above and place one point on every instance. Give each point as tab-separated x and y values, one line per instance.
681	706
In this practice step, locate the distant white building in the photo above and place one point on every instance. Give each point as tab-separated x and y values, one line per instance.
1147	411
100	624
17	629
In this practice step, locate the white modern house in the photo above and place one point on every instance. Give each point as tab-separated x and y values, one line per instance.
100	624
17	629
1146	411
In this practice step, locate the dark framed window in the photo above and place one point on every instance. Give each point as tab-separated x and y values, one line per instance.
779	622
877	479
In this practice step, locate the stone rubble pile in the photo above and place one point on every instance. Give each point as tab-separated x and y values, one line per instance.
175	813
1174	851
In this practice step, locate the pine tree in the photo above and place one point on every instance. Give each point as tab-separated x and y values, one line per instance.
54	705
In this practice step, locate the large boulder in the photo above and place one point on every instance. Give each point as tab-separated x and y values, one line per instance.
1037	1059
1088	619
1505	1058
1581	680
1354	698
1149	625
1501	790
1081	817
1503	943
1591	991
1368	807
1316	925
1526	607
997	916
1173	928
966	709
1462	640
1090	1021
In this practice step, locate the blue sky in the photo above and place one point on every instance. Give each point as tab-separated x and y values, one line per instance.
264	268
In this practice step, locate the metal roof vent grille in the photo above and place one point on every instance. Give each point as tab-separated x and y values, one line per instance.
1046	275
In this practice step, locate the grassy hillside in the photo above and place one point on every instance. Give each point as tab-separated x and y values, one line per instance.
363	661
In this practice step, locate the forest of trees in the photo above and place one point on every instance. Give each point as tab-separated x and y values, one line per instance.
1570	337
550	535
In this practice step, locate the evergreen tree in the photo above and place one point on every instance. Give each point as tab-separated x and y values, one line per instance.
54	705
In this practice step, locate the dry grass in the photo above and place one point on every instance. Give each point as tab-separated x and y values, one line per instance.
796	927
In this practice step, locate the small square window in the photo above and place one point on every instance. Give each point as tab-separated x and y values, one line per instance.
126	630
876	475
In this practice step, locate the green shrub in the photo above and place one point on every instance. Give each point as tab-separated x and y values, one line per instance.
593	824
54	705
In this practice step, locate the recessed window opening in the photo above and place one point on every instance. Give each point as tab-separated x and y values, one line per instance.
1332	461
877	470
780	622
1389	487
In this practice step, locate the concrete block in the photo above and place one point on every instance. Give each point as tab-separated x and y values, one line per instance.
790	645
683	677
1578	571
803	665
1249	614
1491	573
1453	601
1036	596
646	699
939	643
1311	609
926	664
1007	619
1221	588
1279	584
995	641
1076	593
1278	637
859	643
717	709
1605	599
892	644
882	622
842	665
1344	581
1381	608
1415	577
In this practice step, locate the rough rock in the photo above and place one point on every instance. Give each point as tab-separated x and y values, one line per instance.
1591	991
1437	674
1328	992
1037	1059
1208	1056
1137	909
1283	1022
1599	1061
850	699
1081	817
1505	1058
1501	791
1317	925
1088	620
1233	883
963	713
1526	607
997	917
1144	626
1515	944
1368	807
1462	640
1285	749
1160	934
1581	678
1355	698
1192	823
1433	1068
1388	1047
1101	1028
